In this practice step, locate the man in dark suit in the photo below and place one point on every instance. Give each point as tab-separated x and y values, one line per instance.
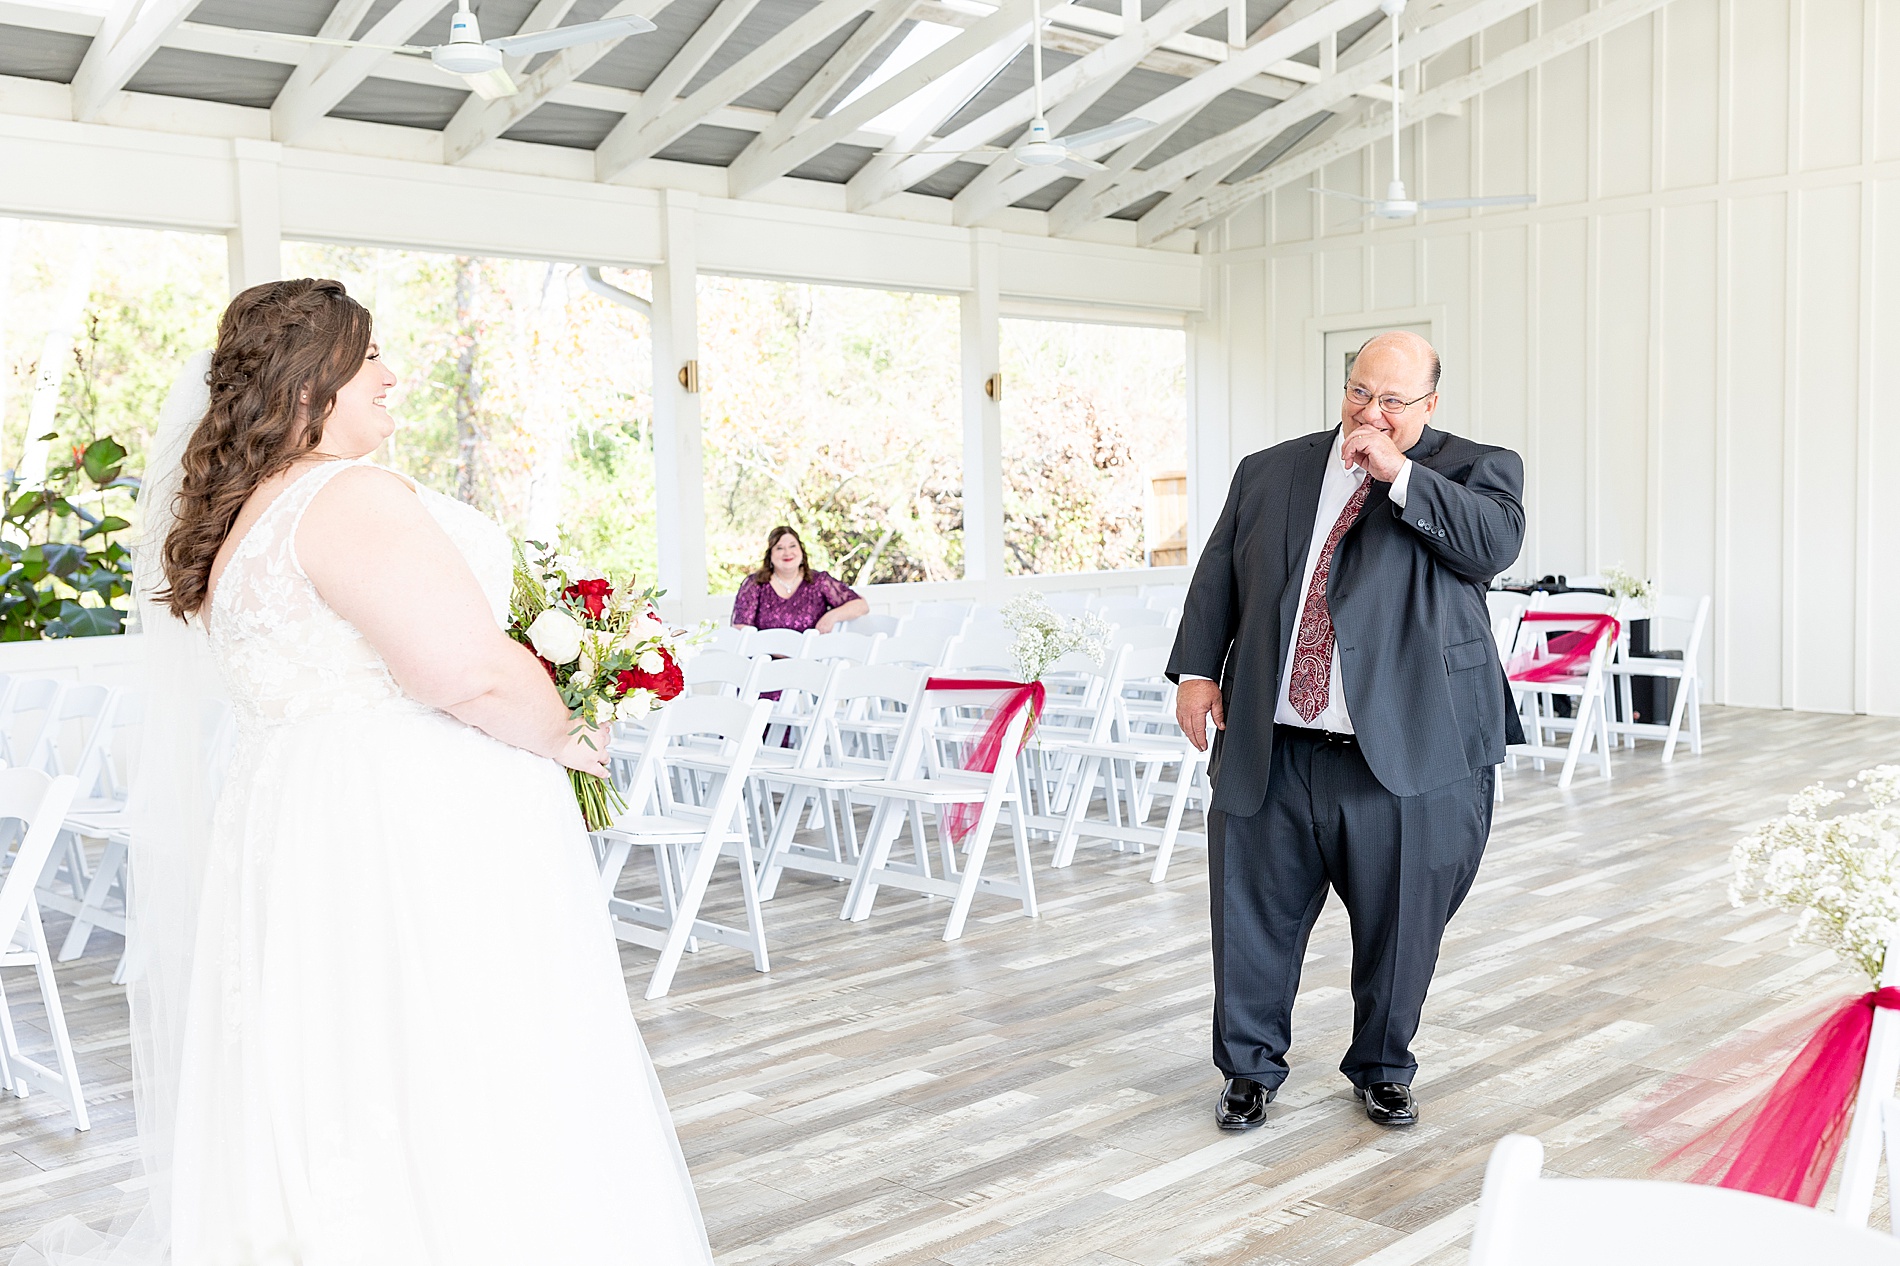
1360	714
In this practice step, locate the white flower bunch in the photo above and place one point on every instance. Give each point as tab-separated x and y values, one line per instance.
1624	584
1841	875
1043	636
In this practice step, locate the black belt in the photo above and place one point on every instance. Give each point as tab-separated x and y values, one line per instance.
1307	734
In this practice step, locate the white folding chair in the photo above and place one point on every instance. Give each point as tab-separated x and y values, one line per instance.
697	835
723	674
1069	601
1588	724
872	709
954	612
98	813
919	650
66	740
1690	617
850	648
924	779
1525	1219
1129	613
932	628
1141	637
38	802
870	624
24	697
1127	759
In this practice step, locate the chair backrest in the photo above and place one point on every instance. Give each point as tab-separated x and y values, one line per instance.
1125	615
1525	1219
852	648
924	650
926	626
733	727
988	650
719	673
868	624
1165	597
1507	611
1595	603
112	742
730	638
805	689
27	696
1094	712
84	706
1069	601
40	801
788	642
870	704
1533	634
1143	637
1678	623
917	752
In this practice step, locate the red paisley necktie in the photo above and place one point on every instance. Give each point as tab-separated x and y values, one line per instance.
1312	677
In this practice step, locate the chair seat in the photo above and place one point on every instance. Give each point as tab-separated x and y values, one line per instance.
931	790
830	778
653	829
1139	749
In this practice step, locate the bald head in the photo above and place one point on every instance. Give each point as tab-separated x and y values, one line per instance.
1393	387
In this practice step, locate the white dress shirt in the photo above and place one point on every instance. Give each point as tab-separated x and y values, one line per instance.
1340	482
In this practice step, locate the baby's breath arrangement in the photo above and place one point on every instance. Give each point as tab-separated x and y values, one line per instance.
1841	875
1043	636
1624	584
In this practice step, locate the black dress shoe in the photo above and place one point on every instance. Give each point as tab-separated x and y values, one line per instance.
1243	1104
1389	1103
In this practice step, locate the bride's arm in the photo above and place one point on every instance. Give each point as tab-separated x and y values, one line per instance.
381	561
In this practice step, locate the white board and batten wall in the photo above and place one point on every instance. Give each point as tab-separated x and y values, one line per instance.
1691	338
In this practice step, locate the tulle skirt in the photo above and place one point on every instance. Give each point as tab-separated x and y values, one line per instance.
409	1040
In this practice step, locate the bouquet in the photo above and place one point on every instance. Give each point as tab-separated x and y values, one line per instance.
1627	586
1043	636
606	649
1841	875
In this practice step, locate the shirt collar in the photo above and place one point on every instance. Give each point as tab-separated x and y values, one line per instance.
1357	473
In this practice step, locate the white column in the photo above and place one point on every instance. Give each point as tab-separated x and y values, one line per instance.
982	416
679	473
256	245
1210	415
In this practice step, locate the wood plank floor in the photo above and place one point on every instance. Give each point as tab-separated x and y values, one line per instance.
1040	1093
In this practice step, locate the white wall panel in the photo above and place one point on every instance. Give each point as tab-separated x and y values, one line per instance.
1688	337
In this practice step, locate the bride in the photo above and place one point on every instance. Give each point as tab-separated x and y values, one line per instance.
378	1013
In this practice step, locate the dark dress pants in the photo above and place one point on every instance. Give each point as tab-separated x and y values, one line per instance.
1401	865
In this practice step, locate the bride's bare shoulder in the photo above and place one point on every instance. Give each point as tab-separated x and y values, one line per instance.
361	500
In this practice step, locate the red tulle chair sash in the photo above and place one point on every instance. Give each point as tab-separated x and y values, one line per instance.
1788	1146
962	818
1568	650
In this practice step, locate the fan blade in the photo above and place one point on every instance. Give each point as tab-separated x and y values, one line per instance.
329	43
491	84
1335	193
1503	200
568	36
1103	135
1080	166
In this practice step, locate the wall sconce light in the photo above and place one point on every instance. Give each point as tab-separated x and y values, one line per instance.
689	376
993	387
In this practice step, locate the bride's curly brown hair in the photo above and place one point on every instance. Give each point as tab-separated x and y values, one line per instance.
284	350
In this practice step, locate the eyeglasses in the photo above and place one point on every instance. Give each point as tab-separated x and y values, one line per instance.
1389	405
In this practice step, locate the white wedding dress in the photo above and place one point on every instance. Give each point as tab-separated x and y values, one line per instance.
408	1040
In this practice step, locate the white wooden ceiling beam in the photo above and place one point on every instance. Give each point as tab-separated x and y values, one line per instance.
478	122
1109	192
131	32
878	27
629	143
692	57
780	149
1081	82
1280	40
1503	68
328	75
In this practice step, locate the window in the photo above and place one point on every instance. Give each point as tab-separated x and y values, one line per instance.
836	410
522	392
1094	447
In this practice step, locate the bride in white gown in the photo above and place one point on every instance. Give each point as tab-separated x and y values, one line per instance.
402	1036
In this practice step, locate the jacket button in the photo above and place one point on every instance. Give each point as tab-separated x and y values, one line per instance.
1422	523
1441	533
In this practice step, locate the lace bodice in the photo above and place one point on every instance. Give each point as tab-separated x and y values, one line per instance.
284	653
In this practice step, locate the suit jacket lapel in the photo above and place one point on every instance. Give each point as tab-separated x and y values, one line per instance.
1302	503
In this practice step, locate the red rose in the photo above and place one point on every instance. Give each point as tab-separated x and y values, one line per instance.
666	684
593	595
553	673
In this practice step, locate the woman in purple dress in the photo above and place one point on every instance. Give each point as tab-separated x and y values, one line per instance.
785	593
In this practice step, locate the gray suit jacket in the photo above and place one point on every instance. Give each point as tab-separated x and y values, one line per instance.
1423	684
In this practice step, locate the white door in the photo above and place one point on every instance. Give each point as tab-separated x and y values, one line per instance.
1343	345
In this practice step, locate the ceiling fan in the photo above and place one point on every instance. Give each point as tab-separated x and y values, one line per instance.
1039	149
1396	205
478	62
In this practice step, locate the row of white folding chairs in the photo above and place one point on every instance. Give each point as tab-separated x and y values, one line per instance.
33	808
1593	721
840	736
929	647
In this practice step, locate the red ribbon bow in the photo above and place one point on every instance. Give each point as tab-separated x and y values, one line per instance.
962	818
1788	1149
1569	649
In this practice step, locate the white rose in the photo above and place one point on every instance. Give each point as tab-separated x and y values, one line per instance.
556	636
649	625
635	705
652	662
584	666
576	569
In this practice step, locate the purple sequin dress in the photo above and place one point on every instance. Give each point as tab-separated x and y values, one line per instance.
760	606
